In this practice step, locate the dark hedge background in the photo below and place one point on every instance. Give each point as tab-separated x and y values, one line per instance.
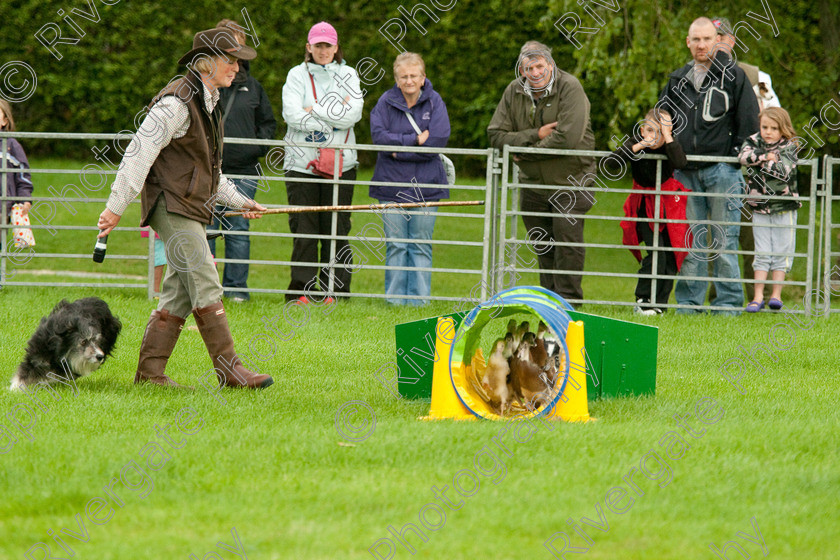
125	58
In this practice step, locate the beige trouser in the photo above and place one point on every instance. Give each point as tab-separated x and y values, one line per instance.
191	279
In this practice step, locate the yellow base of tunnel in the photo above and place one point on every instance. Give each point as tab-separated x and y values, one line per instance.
572	406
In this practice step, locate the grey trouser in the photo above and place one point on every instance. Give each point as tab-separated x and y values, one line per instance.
774	246
191	279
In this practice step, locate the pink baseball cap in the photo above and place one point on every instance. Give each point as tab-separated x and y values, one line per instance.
322	32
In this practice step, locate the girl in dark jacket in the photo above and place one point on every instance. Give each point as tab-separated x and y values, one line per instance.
427	125
655	138
18	178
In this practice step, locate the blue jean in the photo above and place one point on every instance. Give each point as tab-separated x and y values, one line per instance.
236	246
719	178
417	225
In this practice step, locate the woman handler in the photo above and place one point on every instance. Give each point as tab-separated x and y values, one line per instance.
174	163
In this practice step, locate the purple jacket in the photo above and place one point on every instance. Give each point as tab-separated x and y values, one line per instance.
18	179
390	126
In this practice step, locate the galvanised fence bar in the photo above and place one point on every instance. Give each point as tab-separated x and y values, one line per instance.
604	251
54	210
495	253
829	276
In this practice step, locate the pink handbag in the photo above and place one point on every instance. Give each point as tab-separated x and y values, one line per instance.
324	164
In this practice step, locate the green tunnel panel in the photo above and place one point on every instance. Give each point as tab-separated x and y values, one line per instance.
620	361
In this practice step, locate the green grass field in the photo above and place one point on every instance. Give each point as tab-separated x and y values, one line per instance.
274	465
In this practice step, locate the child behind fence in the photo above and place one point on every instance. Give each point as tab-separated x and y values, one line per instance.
770	157
18	180
655	138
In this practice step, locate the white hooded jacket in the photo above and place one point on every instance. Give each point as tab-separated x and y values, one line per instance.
338	109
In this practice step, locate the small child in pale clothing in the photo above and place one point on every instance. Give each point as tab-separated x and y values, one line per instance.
160	256
18	177
770	156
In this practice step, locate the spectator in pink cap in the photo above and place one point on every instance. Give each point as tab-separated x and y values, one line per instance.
322	33
322	101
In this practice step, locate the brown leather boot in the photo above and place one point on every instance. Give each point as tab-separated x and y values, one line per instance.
159	340
213	326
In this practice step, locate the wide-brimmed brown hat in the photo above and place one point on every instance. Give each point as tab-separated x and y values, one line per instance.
215	42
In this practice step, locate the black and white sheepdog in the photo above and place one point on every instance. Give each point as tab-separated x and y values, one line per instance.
74	340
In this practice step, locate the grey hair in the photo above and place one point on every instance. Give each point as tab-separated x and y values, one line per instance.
534	49
409	59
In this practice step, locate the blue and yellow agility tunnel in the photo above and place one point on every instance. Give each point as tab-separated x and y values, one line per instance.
456	389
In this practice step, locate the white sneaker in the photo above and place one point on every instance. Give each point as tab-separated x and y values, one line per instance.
646	311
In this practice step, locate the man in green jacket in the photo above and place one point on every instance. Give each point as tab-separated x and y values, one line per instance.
547	108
